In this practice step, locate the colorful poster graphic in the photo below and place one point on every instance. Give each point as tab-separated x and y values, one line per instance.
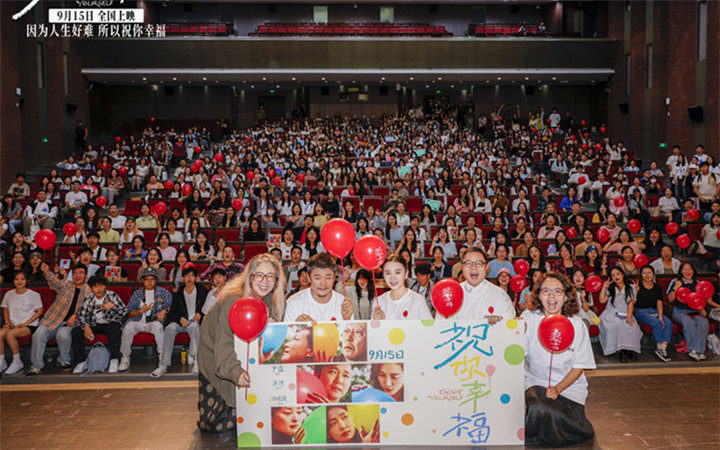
386	382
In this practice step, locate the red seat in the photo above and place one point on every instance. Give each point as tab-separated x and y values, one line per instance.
374	201
252	249
230	234
414	204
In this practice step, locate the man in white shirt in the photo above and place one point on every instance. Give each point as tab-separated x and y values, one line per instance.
673	159
42	210
554	118
707	187
483	300
117	221
75	200
319	303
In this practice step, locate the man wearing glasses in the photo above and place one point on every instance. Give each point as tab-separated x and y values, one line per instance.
483	300
319	303
184	316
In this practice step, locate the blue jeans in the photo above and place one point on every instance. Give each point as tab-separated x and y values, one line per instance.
40	338
695	328
14	224
650	317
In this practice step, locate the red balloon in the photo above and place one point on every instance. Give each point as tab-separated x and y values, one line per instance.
169	185
105	166
705	289
598	146
351	192
198	149
556	333
572	137
695	301
634	226
640	260
117	139
308	383
586	135
571	232
682	294
69	229
500	118
122	170
301	177
218	157
583	123
534	130
521	267
548	121
518	283
338	237
603	130
582	180
603	235
672	228
619	201
552	130
152	119
194	168
160	208
250	175
370	252
248	139
683	241
101	201
277	181
584	146
186	190
270	173
447	296
248	317
693	214
717	234
188	264
556	144
237	204
45	239
593	283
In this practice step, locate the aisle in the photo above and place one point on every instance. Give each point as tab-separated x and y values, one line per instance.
634	408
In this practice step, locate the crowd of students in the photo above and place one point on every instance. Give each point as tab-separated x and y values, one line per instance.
448	201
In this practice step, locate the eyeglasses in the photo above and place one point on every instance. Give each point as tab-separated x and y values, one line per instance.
555	293
471	264
259	276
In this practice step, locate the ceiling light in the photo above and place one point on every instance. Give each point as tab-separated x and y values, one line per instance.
527	78
353	81
452	86
460	81
277	86
293	78
144	79
411	78
499	78
323	78
439	78
554	78
174	78
216	81
487	81
252	86
382	78
264	78
204	78
427	86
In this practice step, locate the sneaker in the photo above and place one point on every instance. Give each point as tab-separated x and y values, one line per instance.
32	372
190	360
124	364
113	366
3	366
160	371
80	368
65	365
662	355
195	368
701	356
15	367
694	355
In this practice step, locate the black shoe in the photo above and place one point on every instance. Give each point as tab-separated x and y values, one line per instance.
622	356
32	372
632	355
65	365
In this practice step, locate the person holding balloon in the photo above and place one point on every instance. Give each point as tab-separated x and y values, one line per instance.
693	320
649	310
619	331
557	353
399	302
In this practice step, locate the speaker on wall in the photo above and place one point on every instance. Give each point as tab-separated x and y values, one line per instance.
324	90
624	107
529	90
383	90
695	113
169	91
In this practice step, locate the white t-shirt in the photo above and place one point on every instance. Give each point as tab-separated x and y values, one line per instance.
22	307
99	312
304	303
481	301
190	302
117	222
74	199
410	306
210	301
537	360
149	300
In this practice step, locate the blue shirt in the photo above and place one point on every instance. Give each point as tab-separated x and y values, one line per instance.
494	267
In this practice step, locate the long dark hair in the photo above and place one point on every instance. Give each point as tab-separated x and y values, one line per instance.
370	287
613	288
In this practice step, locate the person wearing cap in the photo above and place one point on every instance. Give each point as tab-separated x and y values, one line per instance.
184	316
147	309
100	312
482	299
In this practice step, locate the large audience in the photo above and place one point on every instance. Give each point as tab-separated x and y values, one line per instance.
450	195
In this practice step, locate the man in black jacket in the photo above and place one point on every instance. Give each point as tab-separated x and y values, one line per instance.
184	316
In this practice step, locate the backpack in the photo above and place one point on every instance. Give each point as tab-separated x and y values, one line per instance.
97	360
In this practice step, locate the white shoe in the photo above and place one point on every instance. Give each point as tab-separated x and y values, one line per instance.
15	367
701	356
694	355
124	363
113	366
80	368
195	368
190	360
160	371
3	366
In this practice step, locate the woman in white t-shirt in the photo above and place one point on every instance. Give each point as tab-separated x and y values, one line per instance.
21	310
555	414
400	302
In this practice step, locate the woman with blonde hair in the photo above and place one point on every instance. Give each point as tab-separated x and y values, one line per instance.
220	371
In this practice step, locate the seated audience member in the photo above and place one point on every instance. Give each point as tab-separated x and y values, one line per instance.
21	308
43	212
399	302
100	312
147	309
695	323
185	316
666	264
649	310
218	277
293	267
361	294
619	331
483	300
60	318
319	303
423	285
228	264
555	414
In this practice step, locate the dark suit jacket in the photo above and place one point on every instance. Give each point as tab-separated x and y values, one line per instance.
178	309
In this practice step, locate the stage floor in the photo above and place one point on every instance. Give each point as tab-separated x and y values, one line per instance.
671	407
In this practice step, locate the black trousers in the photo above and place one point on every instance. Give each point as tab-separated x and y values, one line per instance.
554	423
111	330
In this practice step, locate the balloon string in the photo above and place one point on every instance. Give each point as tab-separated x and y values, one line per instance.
247	365
374	284
342	265
550	375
